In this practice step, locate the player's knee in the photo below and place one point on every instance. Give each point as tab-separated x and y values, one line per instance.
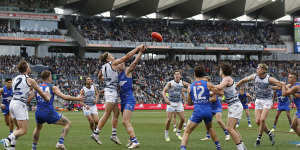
262	120
23	131
257	121
125	122
169	120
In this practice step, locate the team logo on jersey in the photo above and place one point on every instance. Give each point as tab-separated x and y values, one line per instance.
199	83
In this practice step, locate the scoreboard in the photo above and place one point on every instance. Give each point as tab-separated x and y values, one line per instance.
297	34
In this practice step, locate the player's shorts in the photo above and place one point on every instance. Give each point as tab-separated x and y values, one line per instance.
18	110
93	110
283	108
245	106
197	117
263	103
127	106
50	117
216	109
235	110
175	107
298	114
5	111
110	95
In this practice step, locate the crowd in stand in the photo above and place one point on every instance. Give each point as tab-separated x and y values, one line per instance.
203	31
42	6
4	28
150	76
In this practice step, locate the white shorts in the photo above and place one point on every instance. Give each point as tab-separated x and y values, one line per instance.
111	95
235	110
175	107
18	110
93	110
263	103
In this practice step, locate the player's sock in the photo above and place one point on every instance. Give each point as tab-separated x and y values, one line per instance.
179	132
12	139
61	140
238	122
239	146
274	126
97	131
174	126
218	145
249	120
207	134
184	125
259	137
114	132
34	145
10	132
226	132
182	147
134	140
166	133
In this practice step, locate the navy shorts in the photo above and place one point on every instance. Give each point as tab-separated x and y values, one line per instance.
197	117
6	110
49	117
127	106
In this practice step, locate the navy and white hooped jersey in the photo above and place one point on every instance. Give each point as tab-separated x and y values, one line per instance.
126	89
7	95
175	91
200	96
21	88
90	95
43	105
282	100
110	77
263	88
230	93
243	98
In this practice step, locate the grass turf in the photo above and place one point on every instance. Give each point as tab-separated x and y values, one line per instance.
149	128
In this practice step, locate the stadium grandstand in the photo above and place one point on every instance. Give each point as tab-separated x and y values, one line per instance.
68	36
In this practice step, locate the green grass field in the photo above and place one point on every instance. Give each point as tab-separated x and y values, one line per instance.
149	127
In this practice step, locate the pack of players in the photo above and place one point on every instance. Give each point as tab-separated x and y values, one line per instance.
201	93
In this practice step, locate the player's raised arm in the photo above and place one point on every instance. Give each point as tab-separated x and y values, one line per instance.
289	91
225	81
276	87
57	92
100	75
128	55
134	63
46	96
274	81
246	79
164	93
214	89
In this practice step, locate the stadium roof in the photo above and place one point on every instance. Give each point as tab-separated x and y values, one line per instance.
221	9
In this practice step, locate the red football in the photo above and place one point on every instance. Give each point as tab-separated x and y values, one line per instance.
156	36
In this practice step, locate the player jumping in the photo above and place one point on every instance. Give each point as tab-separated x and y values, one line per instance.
109	75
